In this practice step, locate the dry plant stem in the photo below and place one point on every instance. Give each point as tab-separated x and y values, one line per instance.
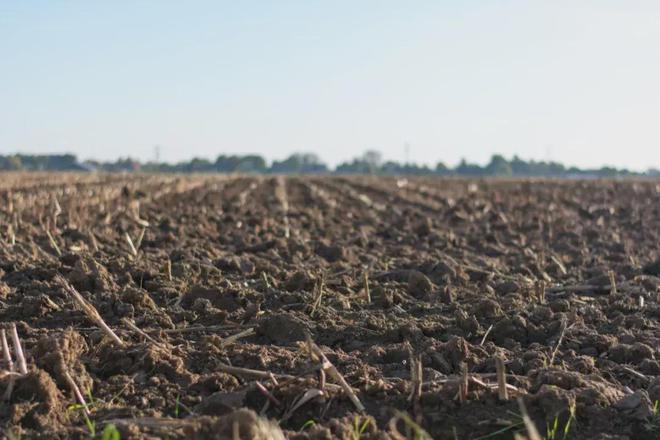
11	235
560	265
5	350
501	379
561	337
336	375
131	246
130	324
258	374
540	291
268	394
578	288
265	278
10	374
151	422
141	222
292	379
249	373
532	432
91	312
52	304
92	239
10	365
18	350
367	292
491	386
463	384
168	269
480	375
53	243
201	328
483	340
635	373
416	378
233	338
235	431
309	395
134	214
319	295
57	210
10	385
76	392
138	242
322	379
610	274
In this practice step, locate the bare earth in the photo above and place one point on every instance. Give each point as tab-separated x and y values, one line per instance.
318	307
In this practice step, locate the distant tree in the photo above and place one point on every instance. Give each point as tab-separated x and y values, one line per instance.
199	165
61	162
519	167
442	169
556	169
226	164
369	162
251	164
498	166
353	167
15	163
466	169
299	163
607	172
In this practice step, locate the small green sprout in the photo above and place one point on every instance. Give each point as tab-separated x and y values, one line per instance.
110	432
176	406
553	430
308	424
358	429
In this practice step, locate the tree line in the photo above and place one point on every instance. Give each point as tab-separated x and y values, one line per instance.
371	162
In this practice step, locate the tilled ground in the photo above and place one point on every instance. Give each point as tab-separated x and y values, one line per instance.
412	289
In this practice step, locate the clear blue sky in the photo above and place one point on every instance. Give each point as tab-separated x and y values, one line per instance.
574	81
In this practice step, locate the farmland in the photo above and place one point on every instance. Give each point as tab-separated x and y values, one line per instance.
226	306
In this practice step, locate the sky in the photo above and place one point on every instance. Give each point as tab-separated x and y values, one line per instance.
573	81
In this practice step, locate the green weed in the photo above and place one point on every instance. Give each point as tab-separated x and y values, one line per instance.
308	424
552	431
358	429
110	432
653	422
91	425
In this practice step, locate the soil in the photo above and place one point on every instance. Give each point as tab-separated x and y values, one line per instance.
412	288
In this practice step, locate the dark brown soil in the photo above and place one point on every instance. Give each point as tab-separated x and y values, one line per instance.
382	274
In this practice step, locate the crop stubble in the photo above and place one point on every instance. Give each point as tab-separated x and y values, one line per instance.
335	307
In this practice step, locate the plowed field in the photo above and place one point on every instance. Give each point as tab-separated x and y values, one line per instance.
329	307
